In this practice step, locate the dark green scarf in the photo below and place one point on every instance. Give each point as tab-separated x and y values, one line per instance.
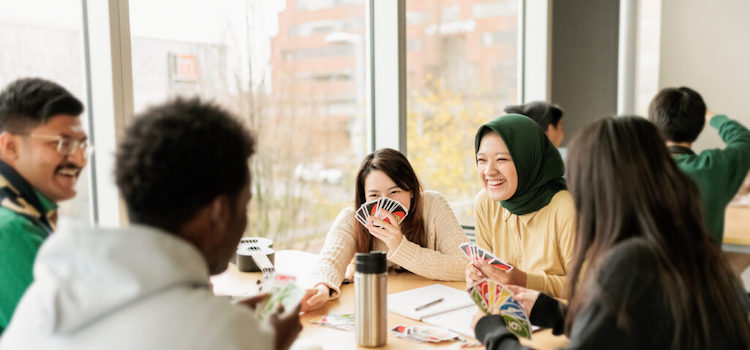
538	163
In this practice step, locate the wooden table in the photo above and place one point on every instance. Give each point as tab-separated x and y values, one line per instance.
296	263
737	230
736	245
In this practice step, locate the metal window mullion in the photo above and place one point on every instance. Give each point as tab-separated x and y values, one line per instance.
387	73
109	83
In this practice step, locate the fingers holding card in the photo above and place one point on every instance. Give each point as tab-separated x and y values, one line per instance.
476	254
493	297
378	208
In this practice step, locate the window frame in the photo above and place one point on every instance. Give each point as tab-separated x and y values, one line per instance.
109	81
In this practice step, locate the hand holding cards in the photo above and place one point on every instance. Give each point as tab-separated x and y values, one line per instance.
383	204
282	290
492	296
476	253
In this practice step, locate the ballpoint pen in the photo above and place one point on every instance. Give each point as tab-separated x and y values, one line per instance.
424	306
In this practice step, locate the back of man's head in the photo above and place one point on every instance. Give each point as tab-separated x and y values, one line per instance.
31	102
679	113
178	157
543	113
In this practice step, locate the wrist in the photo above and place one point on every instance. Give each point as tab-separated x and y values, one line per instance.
323	289
522	278
394	246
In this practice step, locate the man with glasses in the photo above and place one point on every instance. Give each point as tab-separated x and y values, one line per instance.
183	173
43	149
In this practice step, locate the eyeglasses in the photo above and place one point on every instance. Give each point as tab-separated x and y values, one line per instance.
67	146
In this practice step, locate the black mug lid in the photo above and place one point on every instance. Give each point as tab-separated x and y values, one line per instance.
372	262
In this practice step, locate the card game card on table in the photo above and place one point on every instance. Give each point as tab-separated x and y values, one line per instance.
343	322
490	295
425	334
476	253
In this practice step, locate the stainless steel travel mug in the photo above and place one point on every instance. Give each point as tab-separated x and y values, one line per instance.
370	288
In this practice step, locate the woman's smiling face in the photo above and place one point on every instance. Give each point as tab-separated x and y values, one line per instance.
378	184
495	168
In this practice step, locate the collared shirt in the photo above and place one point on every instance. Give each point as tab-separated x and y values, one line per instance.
20	239
539	243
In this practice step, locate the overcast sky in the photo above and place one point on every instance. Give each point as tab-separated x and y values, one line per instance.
203	21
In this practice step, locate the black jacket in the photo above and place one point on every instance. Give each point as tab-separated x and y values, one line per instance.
628	310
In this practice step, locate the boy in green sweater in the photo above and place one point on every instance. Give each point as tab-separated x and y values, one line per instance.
42	153
680	115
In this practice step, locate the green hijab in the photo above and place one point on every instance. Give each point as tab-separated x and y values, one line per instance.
538	163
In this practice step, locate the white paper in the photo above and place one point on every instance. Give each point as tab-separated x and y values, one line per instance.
458	320
404	303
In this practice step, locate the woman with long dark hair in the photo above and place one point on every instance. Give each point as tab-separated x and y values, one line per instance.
425	242
645	275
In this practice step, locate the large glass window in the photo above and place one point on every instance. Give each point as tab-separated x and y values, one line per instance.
293	70
647	64
461	72
43	38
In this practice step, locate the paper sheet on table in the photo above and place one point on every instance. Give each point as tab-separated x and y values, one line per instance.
404	303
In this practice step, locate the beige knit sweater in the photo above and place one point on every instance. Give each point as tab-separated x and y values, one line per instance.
441	260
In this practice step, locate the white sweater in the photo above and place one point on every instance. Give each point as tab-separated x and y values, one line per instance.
441	260
132	288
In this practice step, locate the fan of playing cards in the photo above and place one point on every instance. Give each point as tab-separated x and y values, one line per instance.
476	253
490	296
384	204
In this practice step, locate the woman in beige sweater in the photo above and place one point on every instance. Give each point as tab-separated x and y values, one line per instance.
425	242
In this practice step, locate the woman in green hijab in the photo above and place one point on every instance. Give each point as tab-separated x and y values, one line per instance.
524	215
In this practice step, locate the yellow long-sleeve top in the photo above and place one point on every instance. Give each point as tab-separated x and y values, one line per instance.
440	260
539	243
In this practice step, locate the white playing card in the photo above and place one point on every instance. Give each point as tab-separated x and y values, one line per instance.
392	205
359	215
465	248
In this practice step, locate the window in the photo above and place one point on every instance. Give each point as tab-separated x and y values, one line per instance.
647	66
463	75
294	71
43	38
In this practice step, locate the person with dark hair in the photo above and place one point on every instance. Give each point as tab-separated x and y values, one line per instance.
680	113
524	214
548	116
182	170
645	274
425	242
42	153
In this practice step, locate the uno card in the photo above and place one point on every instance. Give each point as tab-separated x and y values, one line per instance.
500	264
517	326
399	211
360	216
283	290
475	295
381	207
490	296
504	295
371	207
343	322
425	334
393	207
493	260
466	249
